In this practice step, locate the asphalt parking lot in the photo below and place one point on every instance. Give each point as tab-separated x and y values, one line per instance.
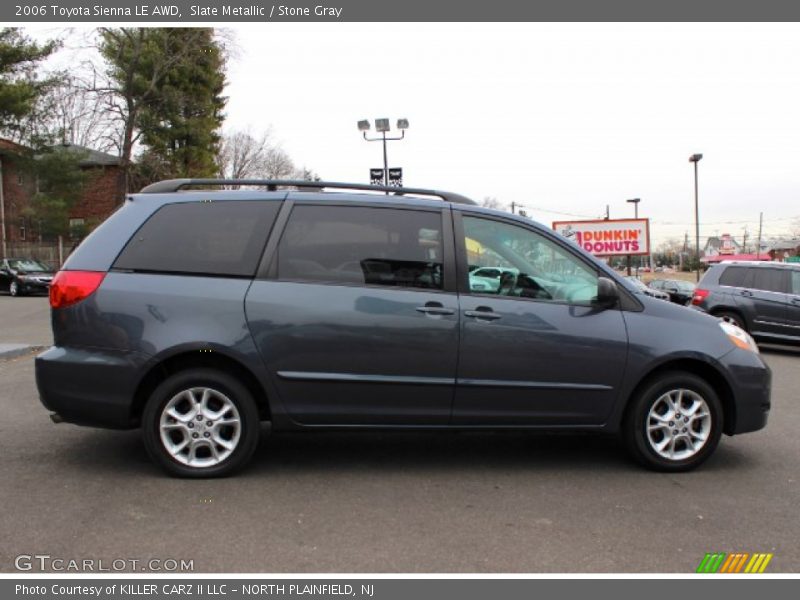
411	502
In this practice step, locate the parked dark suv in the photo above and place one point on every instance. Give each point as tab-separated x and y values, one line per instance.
196	315
762	298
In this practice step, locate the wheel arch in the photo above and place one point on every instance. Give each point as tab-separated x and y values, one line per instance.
184	359
717	310
706	371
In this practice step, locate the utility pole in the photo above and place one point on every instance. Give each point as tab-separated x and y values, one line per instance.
760	223
744	241
695	158
513	206
608	214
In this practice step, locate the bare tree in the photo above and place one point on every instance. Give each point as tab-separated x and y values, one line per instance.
70	113
245	156
492	202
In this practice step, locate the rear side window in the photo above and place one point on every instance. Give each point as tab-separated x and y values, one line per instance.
733	276
769	280
206	238
796	282
366	246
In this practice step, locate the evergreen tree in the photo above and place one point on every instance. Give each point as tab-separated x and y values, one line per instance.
60	184
180	123
19	85
150	77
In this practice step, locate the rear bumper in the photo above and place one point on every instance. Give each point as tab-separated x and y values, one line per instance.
751	381
89	386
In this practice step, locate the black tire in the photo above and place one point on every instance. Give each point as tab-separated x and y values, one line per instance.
14	288
229	388
732	317
635	425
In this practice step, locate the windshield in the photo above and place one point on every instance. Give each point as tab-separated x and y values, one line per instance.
27	265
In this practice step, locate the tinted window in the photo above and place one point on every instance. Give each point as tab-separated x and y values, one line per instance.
215	238
531	265
367	246
796	282
733	276
770	280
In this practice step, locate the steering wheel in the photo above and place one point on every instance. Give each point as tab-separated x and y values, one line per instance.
508	282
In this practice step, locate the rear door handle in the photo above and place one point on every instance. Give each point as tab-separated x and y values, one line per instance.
795	300
435	308
747	293
482	312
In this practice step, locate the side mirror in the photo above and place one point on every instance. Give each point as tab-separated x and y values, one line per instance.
607	293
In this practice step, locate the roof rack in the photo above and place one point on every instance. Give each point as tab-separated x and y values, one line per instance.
173	185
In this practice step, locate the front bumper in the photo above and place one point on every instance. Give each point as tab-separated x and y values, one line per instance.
90	386
751	383
33	286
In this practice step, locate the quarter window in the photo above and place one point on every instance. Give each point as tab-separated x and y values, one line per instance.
362	246
796	282
206	238
529	264
769	280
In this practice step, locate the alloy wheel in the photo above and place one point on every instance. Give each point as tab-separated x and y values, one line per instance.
200	427
678	424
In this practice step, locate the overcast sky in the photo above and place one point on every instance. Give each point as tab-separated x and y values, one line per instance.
563	118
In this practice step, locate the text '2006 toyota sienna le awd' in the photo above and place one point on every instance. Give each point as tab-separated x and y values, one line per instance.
198	314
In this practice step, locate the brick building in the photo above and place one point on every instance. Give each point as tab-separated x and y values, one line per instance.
17	188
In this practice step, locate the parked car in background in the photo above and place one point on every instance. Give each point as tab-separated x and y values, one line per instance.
679	291
21	276
642	286
488	278
763	298
196	315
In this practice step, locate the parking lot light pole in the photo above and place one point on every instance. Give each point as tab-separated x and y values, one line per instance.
695	158
635	202
382	127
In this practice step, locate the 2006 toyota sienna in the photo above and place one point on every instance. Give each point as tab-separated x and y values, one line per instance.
197	314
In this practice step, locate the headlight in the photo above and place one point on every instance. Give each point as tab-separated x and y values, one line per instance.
739	337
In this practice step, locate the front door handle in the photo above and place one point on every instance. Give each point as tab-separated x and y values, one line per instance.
435	308
795	300
747	293
482	312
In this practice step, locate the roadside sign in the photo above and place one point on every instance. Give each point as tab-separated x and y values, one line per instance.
396	177
376	176
608	237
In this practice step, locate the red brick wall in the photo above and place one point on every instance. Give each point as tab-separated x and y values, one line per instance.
99	196
16	198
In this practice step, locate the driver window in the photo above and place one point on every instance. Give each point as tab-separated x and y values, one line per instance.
508	260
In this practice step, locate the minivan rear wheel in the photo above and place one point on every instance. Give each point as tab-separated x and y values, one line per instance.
201	423
674	423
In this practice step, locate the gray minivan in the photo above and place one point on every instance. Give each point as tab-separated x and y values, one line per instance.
196	314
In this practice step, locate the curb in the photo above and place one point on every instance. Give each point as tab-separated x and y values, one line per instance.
8	351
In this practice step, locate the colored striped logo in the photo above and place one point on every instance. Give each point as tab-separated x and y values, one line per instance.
736	562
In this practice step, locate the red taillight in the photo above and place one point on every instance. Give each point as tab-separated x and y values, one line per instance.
699	296
70	287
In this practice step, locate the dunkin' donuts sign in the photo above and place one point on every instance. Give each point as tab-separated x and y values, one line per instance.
613	237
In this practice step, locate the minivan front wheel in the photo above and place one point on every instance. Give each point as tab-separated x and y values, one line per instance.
201	423
675	422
